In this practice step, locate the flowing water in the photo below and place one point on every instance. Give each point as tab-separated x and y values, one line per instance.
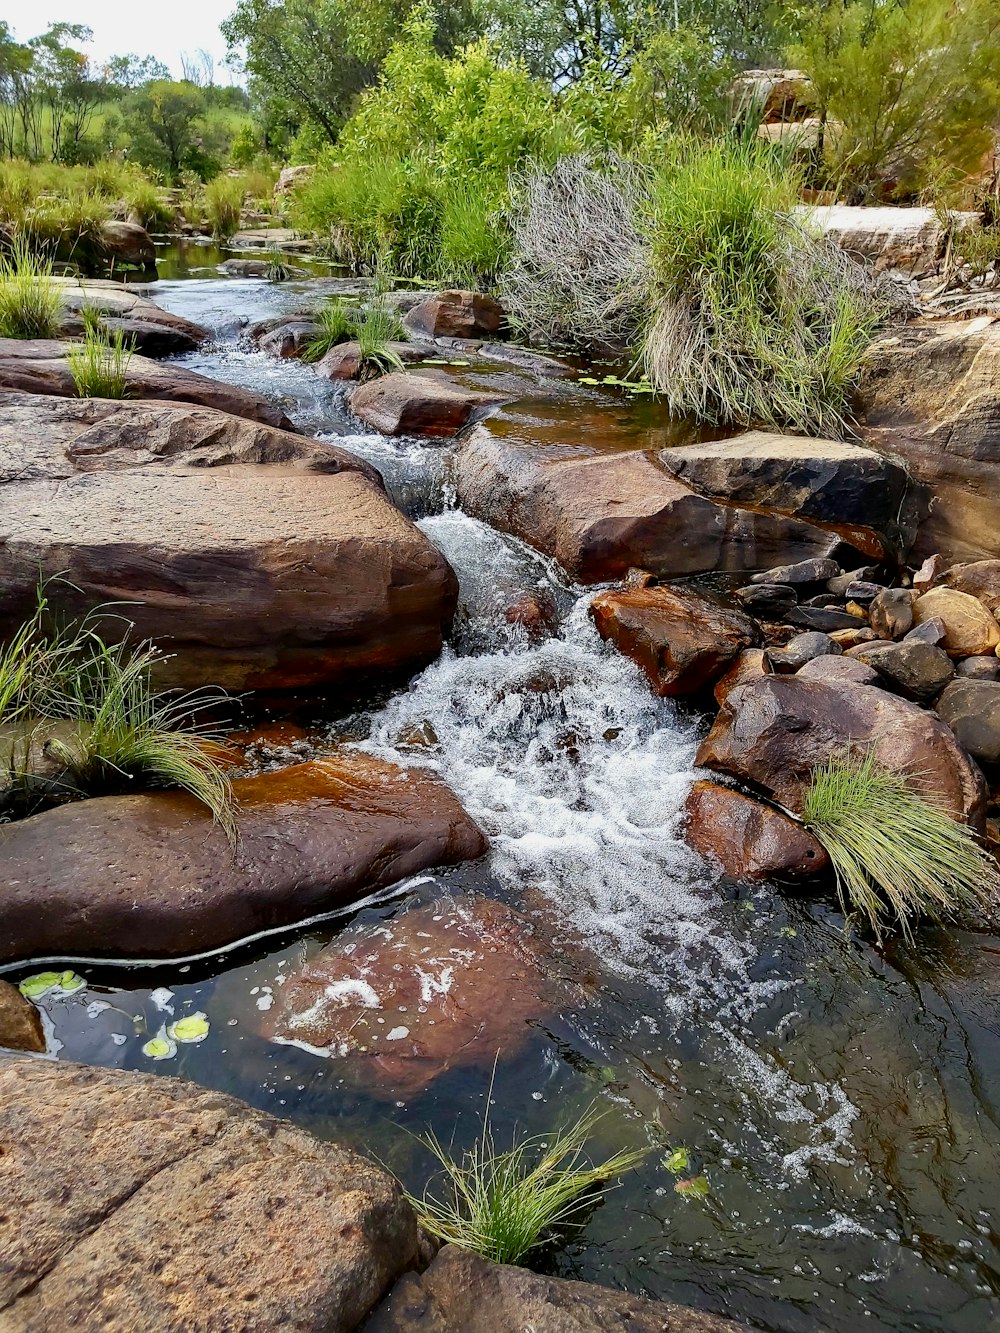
842	1103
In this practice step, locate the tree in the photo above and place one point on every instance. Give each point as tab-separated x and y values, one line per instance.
131	71
166	123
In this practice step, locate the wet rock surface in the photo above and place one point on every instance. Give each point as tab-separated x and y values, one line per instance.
918	670
20	1022
312	838
970	630
800	649
971	708
749	839
134	1202
443	985
681	640
461	1293
410	404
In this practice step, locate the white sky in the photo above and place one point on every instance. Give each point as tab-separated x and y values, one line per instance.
124	26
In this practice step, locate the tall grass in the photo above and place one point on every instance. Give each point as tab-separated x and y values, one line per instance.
30	303
224	205
380	327
502	1204
99	364
898	856
474	237
336	323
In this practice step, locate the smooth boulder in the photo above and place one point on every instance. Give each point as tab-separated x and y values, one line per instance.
456	314
971	709
970	630
404	403
772	733
918	670
682	641
133	1202
749	839
312	838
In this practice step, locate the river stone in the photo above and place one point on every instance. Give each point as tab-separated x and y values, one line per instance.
259	559
822	618
767	601
344	362
928	631
972	709
116	302
750	665
436	987
865	497
312	838
918	670
128	243
979	579
39	366
461	1293
930	573
750	840
20	1022
773	732
290	339
970	630
455	314
803	572
891	613
978	668
133	1201
405	403
681	640
802	649
841	669
866	574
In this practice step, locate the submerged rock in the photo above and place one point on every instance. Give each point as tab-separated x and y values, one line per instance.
20	1022
411	404
773	732
438	986
133	1201
312	838
461	1293
681	640
749	839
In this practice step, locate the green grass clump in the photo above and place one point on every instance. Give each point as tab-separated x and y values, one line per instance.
753	320
224	205
898	856
91	709
337	323
380	327
99	364
30	303
474	239
501	1205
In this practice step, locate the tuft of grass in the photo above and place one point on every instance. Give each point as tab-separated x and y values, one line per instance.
30	303
502	1204
380	327
99	364
224	205
337	323
475	239
898	855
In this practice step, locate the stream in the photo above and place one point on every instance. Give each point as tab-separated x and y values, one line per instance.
842	1102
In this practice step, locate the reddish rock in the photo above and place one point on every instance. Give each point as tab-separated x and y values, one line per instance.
535	613
750	665
440	986
20	1022
750	840
979	579
772	733
312	838
681	640
137	1202
970	630
840	670
456	314
412	404
344	363
127	243
289	340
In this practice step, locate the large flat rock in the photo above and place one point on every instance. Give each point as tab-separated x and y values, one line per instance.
152	876
120	304
912	240
257	559
135	1202
461	1293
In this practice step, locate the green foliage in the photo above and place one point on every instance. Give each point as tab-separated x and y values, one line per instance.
381	326
910	90
224	205
474	236
752	320
337	323
99	364
502	1204
91	707
898	856
30	303
167	126
979	251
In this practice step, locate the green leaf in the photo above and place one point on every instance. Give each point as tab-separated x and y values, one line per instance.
51	983
160	1047
189	1029
678	1161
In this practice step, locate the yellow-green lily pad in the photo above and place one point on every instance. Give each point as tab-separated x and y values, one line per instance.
51	983
190	1028
160	1047
677	1162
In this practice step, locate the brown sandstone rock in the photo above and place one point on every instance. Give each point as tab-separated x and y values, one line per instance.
20	1022
343	362
838	670
749	839
411	404
440	986
681	640
751	664
890	614
979	579
461	1293
116	302
970	630
773	732
290	339
128	243
133	1201
456	314
313	838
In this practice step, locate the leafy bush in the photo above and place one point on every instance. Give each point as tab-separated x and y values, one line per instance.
898	856
99	364
30	303
502	1204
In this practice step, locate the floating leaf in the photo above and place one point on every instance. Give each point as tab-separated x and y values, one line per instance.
678	1161
51	983
160	1047
190	1028
695	1187
587	379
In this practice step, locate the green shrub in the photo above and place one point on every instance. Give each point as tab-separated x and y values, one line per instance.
474	241
146	204
501	1205
30	303
898	856
99	364
979	252
224	205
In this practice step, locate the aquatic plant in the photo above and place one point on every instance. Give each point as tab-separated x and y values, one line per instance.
99	364
898	855
502	1204
336	323
30	303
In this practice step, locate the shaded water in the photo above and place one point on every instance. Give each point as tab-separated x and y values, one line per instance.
843	1104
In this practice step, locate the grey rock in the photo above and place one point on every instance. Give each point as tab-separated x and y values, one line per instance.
978	668
861	591
972	709
918	670
767	601
931	631
860	649
891	612
822	618
839	585
804	571
837	669
802	649
822	599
